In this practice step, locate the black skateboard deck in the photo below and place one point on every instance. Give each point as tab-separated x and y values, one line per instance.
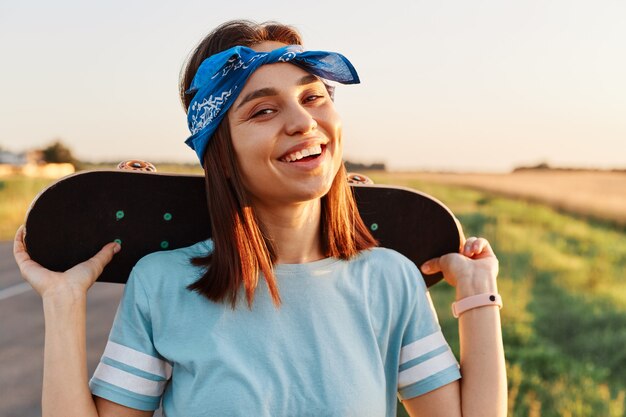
72	219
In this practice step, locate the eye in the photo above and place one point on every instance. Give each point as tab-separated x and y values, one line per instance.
262	112
312	98
313	94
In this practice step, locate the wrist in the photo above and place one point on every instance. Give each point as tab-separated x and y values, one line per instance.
476	301
56	299
476	284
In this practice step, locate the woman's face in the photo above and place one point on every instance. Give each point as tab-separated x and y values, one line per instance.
286	134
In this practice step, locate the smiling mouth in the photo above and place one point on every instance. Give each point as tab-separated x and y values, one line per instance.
306	154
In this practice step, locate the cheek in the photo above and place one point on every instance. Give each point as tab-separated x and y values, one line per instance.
240	147
247	158
252	154
334	123
243	141
337	133
338	156
252	141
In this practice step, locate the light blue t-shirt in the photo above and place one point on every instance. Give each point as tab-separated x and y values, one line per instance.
348	338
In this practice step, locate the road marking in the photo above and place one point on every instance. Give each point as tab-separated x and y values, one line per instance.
14	290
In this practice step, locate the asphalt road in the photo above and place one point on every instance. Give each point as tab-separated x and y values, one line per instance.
22	336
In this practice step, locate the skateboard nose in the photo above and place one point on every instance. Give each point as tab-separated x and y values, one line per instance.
136	165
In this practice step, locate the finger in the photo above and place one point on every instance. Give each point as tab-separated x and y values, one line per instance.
431	266
468	246
484	248
461	233
95	265
479	248
471	246
19	250
18	242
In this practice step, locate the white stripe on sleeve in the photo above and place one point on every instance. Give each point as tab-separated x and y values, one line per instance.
429	367
422	346
129	381
137	359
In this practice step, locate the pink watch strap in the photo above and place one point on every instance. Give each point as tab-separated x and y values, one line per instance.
480	300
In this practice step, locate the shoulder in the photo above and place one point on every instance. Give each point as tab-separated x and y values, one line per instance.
388	263
389	272
395	291
174	266
174	258
384	256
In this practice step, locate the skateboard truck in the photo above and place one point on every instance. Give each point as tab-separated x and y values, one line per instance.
354	178
136	165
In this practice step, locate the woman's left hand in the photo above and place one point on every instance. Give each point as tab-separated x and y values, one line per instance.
472	271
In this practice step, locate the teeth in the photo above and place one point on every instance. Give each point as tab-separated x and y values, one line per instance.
313	150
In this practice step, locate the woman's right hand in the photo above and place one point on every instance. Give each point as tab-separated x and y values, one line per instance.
73	282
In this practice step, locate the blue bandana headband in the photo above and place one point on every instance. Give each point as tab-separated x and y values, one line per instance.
221	77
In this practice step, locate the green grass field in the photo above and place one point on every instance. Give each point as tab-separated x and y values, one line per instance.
562	281
16	193
564	320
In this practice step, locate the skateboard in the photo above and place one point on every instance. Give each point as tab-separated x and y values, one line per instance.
72	219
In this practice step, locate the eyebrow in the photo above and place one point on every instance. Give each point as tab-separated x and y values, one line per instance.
266	92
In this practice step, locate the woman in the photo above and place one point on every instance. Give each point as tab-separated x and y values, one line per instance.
290	310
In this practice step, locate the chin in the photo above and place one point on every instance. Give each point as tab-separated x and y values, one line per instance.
308	195
311	191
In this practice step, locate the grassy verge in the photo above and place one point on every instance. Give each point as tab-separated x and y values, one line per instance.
16	194
565	302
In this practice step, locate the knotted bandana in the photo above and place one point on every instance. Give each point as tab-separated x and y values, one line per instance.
221	77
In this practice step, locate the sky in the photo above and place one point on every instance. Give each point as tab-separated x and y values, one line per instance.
482	85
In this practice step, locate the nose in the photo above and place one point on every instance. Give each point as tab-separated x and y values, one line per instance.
299	120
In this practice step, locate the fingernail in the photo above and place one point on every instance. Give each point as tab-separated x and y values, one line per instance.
426	267
117	248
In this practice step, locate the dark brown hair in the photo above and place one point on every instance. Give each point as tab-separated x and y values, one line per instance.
241	249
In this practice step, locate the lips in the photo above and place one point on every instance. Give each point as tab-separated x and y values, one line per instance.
305	153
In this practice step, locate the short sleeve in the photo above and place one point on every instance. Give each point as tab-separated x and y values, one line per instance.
131	372
426	361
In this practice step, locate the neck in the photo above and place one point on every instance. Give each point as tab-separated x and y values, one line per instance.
294	230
